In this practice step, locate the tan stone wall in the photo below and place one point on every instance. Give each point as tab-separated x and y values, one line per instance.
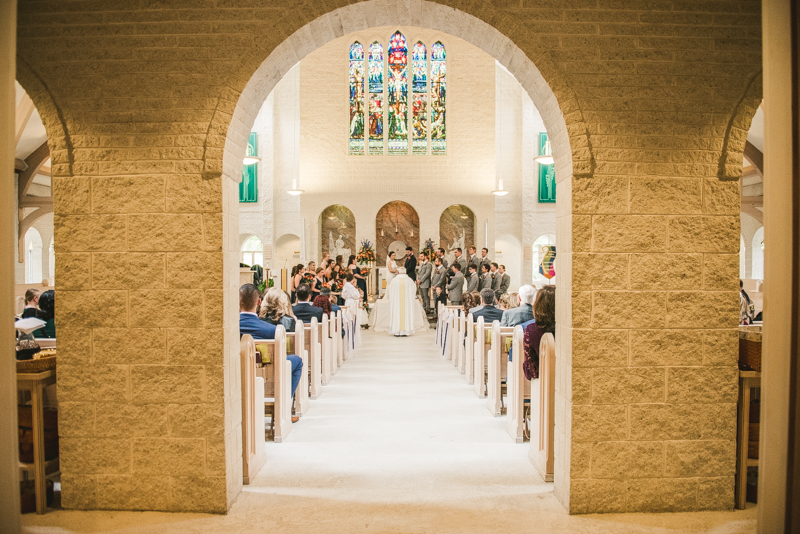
147	107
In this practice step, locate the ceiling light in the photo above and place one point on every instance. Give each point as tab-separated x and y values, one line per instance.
294	191
546	157
500	192
249	160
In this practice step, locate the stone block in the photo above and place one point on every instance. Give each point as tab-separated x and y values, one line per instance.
74	344
662	495
194	194
175	384
88	233
581	309
130	345
721	272
599	423
580	462
703	309
700	458
597	496
196	346
73	270
133	493
214	308
215	457
128	194
599	271
719	421
164	232
721	347
130	420
629	233
702	385
716	493
721	198
666	271
75	419
78	492
88	456
212	232
197	420
659	195
666	347
599	348
628	385
92	308
71	194
128	270
623	459
655	422
152	308
718	234
206	494
107	383
195	270
581	386
168	457
628	309
600	194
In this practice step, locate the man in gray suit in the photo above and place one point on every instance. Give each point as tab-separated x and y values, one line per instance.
473	280
440	254
460	260
424	280
484	259
496	281
472	256
505	279
486	278
524	312
456	285
439	283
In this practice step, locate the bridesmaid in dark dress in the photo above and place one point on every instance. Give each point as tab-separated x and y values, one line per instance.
361	280
318	281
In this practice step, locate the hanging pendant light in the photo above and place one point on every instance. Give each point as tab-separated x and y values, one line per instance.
547	157
294	191
500	192
251	155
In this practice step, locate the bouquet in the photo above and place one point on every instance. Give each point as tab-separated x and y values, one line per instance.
366	253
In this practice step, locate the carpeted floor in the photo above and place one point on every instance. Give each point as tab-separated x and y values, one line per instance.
396	443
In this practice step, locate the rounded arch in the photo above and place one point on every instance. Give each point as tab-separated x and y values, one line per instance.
456	230
396	221
252	250
287	251
33	256
758	255
733	144
538	74
337	231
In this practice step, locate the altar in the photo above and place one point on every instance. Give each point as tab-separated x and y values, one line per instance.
379	316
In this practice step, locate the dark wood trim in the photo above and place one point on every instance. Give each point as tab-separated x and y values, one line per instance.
755	157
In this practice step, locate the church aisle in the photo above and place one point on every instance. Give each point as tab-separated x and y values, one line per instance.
396	443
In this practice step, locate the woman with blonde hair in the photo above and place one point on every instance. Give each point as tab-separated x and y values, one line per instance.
276	309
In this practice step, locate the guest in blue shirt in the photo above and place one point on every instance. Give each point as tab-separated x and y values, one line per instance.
249	323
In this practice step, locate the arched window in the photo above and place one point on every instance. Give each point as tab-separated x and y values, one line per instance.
742	258
33	256
540	249
758	255
253	251
428	94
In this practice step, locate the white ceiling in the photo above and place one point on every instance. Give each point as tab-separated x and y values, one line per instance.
33	135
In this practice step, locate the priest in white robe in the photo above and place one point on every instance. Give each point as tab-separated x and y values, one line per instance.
402	292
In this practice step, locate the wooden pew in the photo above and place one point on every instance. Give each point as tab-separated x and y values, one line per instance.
313	348
295	344
497	367
461	338
325	343
351	328
457	345
339	340
439	317
542	412
447	334
469	351
519	390
480	357
254	454
281	382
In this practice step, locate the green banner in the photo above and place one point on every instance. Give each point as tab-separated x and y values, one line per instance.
547	174
248	188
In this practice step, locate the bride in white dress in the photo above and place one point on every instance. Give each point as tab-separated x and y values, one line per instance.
391	268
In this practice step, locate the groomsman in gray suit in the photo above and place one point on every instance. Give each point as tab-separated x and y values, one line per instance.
456	285
439	283
473	280
424	280
484	260
505	279
461	261
486	278
440	254
496	281
472	256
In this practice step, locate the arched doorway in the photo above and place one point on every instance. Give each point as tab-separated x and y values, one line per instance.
287	251
456	230
252	251
33	256
337	232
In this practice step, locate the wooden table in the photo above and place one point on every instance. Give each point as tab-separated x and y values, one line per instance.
35	383
747	381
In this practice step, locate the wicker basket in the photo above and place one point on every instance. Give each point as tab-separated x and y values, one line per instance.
36	366
749	355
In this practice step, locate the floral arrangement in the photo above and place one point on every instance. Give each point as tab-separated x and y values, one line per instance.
366	253
429	250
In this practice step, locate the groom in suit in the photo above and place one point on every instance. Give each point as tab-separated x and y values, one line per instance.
424	280
411	264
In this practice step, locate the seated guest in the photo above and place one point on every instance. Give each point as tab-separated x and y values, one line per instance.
249	323
544	311
513	300
522	313
303	310
323	301
275	309
504	301
476	302
47	313
31	303
489	312
468	302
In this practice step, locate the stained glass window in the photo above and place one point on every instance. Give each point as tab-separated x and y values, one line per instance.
438	99
419	100
376	99
397	95
356	99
